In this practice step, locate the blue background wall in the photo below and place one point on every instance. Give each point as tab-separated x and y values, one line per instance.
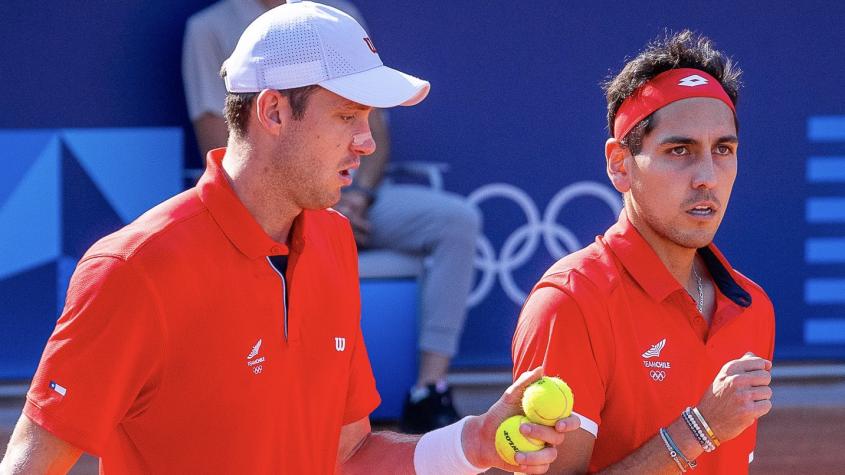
515	100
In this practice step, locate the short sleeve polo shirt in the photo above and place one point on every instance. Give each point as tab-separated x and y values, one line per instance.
629	340
171	355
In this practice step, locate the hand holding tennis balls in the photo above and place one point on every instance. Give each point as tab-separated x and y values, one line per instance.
479	433
517	436
545	401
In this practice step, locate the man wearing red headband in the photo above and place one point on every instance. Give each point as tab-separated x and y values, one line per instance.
667	348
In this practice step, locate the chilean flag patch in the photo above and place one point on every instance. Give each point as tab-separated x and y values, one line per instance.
58	388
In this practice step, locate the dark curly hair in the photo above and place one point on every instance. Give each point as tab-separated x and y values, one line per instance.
684	49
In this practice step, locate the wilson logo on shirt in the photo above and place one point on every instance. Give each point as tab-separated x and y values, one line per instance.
339	343
657	369
255	364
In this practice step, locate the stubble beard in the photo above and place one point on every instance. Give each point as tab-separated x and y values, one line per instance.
296	177
692	239
689	238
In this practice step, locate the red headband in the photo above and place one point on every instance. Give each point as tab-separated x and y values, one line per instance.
662	90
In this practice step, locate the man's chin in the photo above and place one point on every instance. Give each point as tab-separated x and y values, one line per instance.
694	241
324	203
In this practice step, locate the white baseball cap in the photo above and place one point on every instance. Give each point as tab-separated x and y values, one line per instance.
303	43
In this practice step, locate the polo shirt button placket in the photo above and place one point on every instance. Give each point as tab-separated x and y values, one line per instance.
696	319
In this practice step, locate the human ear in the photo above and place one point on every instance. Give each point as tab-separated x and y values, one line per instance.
615	154
272	111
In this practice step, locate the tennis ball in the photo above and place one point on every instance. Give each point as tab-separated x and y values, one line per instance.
509	440
547	400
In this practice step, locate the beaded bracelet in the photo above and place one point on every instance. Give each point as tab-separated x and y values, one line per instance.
697	434
697	431
670	447
706	426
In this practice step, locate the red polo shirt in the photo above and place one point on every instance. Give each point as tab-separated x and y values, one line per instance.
628	339
171	355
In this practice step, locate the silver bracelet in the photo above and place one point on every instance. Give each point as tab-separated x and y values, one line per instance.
706	426
690	463
672	453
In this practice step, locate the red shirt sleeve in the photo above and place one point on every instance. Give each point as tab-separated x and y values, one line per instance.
362	397
771	328
103	360
553	331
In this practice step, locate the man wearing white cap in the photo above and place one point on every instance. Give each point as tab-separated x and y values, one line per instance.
437	225
219	332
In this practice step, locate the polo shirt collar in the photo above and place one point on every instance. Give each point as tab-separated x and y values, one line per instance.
235	220
643	264
723	274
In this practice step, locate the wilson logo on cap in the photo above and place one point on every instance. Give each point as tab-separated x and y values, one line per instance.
370	44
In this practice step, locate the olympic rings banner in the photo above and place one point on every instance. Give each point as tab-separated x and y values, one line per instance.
521	238
521	245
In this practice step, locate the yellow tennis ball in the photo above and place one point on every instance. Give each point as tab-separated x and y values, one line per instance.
509	440
547	400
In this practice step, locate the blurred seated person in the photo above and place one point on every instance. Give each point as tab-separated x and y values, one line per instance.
442	227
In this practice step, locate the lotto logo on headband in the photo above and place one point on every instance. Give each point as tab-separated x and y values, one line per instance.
692	81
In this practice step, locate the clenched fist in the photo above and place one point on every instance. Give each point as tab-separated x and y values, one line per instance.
739	395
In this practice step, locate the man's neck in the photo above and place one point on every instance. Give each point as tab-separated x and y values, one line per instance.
677	259
243	170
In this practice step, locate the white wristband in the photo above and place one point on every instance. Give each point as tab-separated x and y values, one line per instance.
440	452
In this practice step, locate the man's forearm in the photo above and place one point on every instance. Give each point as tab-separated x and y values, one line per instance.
653	457
35	450
461	448
382	452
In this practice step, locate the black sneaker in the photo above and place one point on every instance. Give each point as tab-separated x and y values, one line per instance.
433	411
